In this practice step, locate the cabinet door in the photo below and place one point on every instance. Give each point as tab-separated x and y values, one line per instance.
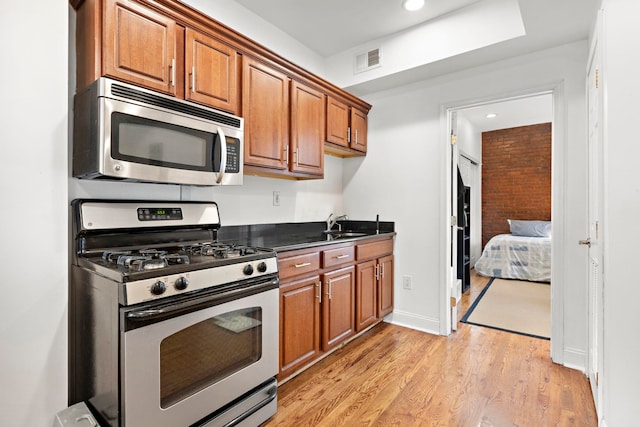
338	304
265	107
385	286
358	130
307	129
366	295
337	122
139	45
299	322
211	72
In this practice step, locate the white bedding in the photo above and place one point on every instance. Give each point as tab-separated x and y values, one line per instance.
516	257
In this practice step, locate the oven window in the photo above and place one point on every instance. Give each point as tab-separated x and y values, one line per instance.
206	352
147	141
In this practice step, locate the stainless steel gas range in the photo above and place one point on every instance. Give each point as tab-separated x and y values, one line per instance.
168	326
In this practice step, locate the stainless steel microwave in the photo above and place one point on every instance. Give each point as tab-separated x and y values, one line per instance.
125	132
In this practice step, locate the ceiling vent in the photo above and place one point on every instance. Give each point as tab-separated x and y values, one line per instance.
366	61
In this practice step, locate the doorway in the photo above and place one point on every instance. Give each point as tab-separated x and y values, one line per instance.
467	121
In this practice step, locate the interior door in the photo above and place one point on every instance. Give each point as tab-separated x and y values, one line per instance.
594	240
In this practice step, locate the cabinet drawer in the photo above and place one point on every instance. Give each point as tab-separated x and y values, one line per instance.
299	264
374	249
338	256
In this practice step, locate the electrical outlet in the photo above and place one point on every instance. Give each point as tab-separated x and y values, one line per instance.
406	282
276	198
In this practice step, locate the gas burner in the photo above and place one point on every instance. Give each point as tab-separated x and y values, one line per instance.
220	250
141	263
144	259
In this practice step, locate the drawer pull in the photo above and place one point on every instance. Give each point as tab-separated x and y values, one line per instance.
304	264
342	256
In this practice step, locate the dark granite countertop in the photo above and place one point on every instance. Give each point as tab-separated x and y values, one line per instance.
289	236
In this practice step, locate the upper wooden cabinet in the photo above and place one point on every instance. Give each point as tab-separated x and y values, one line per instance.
143	46
307	130
139	46
337	122
211	70
358	137
346	129
265	107
284	122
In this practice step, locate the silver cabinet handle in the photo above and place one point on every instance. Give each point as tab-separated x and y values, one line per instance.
304	264
382	271
295	156
172	71
223	155
286	154
356	136
586	242
342	256
349	134
329	289
319	294
193	79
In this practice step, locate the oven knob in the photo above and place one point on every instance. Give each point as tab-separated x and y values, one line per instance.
262	267
248	269
181	283
158	288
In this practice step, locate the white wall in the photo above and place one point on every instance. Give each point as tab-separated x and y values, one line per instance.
403	177
455	33
621	376
256	28
33	218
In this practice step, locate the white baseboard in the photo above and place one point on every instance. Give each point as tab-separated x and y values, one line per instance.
575	359
413	321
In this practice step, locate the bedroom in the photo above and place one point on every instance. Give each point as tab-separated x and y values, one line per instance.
505	166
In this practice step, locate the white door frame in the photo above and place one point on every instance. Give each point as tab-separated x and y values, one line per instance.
558	166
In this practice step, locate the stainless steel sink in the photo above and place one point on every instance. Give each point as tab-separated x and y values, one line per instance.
337	234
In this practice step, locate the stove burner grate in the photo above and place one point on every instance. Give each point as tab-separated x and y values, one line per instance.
220	250
144	259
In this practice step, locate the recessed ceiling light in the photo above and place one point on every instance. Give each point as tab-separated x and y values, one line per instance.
491	115
412	5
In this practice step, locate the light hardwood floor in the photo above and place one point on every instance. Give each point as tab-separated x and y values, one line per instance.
394	376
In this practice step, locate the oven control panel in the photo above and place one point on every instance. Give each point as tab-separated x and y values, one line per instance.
159	214
138	291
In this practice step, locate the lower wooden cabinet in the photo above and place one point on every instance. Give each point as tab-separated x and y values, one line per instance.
299	322
329	294
385	286
367	294
338	307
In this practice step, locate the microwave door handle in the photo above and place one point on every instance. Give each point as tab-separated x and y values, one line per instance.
223	155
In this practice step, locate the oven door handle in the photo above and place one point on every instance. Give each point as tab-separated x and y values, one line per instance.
199	302
271	394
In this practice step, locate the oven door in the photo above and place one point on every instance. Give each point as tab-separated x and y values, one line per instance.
148	144
182	362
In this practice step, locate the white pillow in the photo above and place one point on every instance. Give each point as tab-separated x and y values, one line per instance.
530	228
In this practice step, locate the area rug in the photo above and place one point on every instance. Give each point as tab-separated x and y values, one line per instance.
514	306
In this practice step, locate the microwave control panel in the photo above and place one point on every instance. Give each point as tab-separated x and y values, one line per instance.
233	155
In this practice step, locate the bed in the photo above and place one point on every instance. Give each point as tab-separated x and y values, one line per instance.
512	256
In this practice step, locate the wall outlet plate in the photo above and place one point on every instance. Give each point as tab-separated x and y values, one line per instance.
407	282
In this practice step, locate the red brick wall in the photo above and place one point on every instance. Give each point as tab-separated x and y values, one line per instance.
516	177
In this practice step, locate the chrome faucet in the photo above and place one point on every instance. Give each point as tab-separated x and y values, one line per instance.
331	221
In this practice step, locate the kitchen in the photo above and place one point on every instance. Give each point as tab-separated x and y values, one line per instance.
34	332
